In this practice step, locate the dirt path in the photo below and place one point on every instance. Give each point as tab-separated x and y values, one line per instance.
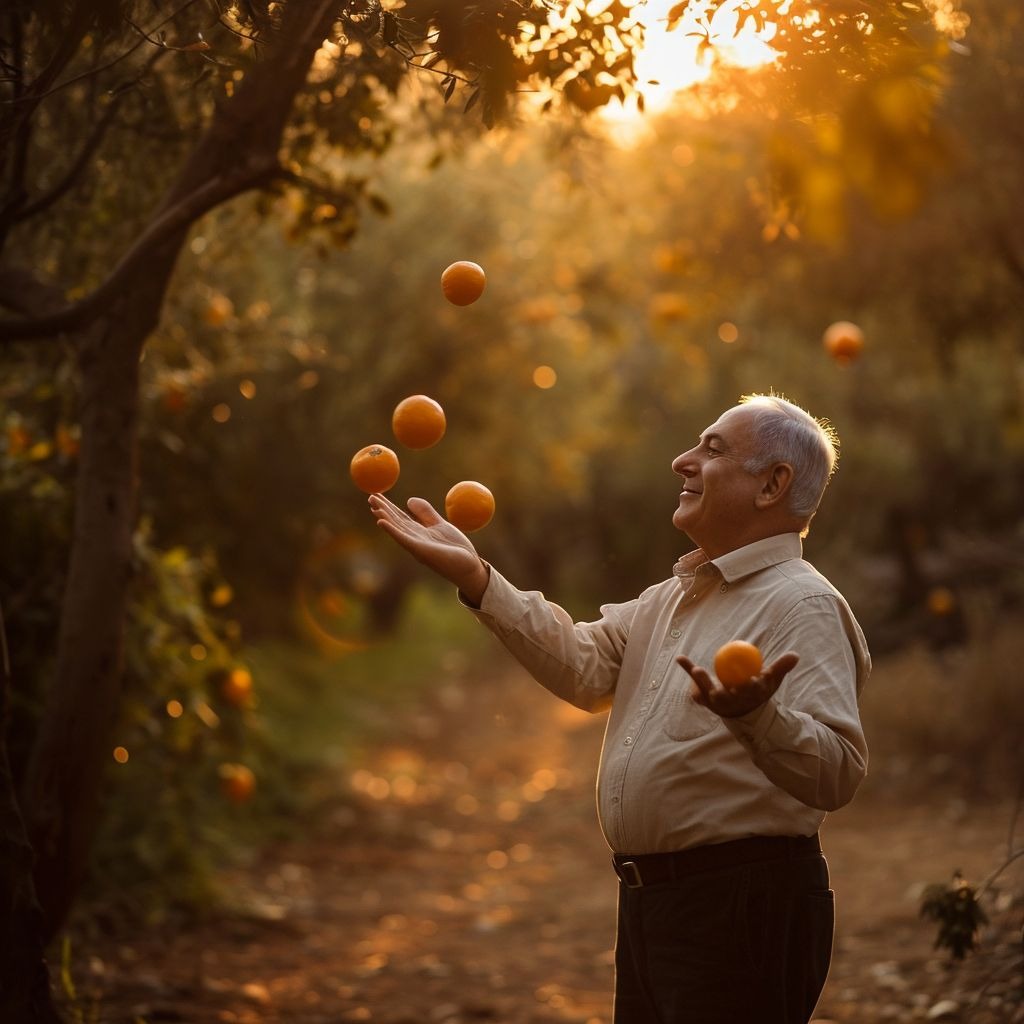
469	882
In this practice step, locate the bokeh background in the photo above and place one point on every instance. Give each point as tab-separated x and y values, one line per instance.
645	269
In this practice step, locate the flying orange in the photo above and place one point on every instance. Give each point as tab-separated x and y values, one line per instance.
469	506
418	422
463	282
374	469
843	341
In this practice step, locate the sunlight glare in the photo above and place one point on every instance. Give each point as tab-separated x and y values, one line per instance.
673	61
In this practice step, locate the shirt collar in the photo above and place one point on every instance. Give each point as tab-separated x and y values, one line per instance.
744	561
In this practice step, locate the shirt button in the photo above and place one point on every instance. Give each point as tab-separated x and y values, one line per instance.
654	684
676	634
628	741
724	587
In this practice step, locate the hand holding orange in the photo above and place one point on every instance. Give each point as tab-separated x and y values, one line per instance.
736	663
463	282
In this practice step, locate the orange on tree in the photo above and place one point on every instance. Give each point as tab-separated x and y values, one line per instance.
737	662
463	282
237	687
237	782
469	506
941	601
843	341
418	422
374	469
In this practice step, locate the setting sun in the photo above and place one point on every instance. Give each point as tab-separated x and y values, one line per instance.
675	59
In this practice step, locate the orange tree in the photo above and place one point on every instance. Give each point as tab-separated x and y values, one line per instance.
118	135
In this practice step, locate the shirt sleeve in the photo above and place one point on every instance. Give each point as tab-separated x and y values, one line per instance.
808	738
577	661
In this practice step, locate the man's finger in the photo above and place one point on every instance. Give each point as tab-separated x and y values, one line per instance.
703	683
780	667
423	512
381	506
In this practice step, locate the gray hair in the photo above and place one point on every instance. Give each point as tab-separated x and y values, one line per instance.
783	432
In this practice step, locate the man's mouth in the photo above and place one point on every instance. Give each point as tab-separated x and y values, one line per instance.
688	490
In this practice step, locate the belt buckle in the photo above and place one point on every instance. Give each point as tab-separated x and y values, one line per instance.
630	875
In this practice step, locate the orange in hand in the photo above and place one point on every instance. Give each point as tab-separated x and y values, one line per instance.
418	422
463	282
736	663
469	506
843	341
374	468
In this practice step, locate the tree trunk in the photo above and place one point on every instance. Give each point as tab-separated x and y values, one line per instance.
61	796
24	979
72	749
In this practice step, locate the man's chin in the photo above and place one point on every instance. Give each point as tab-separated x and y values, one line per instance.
679	522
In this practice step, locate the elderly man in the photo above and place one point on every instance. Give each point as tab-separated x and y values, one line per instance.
710	798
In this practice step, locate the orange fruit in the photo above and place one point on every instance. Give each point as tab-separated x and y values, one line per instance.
237	782
374	468
843	341
237	687
737	662
418	422
469	506
941	601
463	282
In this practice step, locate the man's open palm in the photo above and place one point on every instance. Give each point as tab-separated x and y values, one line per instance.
730	703
431	539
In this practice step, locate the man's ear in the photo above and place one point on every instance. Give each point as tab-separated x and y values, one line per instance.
777	481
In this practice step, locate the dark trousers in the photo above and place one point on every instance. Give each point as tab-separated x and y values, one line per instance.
746	944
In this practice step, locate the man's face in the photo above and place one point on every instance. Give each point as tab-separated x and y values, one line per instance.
717	503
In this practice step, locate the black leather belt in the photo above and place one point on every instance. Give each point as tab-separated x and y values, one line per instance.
638	870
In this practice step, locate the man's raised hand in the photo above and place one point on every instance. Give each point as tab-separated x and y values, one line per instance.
432	540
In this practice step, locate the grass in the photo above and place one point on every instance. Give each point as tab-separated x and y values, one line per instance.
319	709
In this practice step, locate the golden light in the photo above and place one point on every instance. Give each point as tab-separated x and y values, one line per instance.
728	332
175	709
121	755
545	377
672	61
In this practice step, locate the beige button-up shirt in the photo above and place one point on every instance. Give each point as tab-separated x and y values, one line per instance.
674	774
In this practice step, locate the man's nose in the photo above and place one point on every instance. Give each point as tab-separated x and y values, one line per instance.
684	464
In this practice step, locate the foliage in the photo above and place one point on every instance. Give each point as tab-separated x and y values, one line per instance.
617	291
176	730
315	708
956	909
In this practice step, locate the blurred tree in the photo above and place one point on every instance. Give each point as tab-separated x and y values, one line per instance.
236	112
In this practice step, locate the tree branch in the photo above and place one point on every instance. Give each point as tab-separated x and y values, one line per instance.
175	218
14	214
